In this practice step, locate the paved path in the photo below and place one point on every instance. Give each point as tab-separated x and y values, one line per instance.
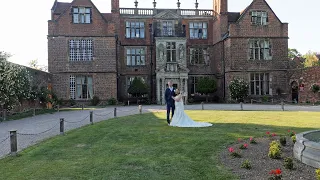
34	129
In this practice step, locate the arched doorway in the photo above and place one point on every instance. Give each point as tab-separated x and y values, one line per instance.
295	92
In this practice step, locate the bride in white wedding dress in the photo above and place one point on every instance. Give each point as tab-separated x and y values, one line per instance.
180	118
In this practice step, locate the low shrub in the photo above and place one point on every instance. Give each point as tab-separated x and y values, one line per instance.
274	150
288	163
318	174
95	101
234	154
112	101
283	140
294	139
246	164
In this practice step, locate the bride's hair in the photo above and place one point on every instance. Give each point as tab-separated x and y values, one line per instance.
177	91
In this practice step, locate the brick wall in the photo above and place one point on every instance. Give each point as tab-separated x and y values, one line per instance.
307	77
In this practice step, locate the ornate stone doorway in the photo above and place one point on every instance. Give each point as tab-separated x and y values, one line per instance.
171	65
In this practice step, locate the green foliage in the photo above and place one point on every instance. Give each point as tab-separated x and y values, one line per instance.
235	155
206	85
283	140
112	101
292	53
315	88
274	150
293	139
318	174
14	82
95	101
138	88
72	102
238	89
246	164
310	59
288	163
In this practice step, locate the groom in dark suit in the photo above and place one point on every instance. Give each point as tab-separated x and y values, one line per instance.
169	101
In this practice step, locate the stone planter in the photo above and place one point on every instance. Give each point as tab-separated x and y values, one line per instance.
307	151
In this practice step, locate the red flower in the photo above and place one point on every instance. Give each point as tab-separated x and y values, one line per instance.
268	132
245	145
251	138
278	171
273	134
231	150
288	130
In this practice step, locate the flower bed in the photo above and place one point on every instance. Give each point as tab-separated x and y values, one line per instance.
262	166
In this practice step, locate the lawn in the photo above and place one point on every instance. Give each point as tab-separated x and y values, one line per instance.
144	147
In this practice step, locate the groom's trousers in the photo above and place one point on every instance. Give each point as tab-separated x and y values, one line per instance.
170	107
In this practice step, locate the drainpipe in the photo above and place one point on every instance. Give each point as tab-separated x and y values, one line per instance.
224	72
151	62
117	71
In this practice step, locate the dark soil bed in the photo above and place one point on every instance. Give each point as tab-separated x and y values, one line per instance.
261	164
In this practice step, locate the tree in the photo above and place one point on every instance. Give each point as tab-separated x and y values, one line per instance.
238	89
14	82
137	88
292	53
35	65
206	85
310	59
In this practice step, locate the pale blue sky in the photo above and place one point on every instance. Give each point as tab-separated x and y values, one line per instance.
24	23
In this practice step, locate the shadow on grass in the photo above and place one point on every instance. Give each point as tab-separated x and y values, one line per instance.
141	147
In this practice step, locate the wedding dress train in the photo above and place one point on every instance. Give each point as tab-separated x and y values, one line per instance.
181	119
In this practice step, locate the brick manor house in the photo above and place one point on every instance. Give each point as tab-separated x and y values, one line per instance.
93	53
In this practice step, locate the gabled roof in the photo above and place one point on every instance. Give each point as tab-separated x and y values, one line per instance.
249	7
61	8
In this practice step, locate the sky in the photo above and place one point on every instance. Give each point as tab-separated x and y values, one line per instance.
24	26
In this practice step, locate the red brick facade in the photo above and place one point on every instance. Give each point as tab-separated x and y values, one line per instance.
228	41
301	82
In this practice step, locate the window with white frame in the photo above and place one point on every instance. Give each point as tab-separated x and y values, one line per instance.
199	56
194	83
135	29
260	49
130	79
171	52
198	30
136	56
260	84
80	50
259	17
81	87
167	28
81	15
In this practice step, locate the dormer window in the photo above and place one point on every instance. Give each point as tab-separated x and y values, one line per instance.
81	15
259	17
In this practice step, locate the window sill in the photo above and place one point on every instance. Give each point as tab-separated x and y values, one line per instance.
133	38
136	66
259	60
